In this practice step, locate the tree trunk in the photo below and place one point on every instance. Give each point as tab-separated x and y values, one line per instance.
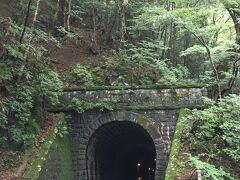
29	41
25	21
186	46
170	41
107	17
174	39
35	14
55	16
61	14
232	80
68	15
94	26
214	71
164	43
235	15
209	53
121	16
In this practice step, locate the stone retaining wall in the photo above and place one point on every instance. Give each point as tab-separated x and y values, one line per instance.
172	98
153	124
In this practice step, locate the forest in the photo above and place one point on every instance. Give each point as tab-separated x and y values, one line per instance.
47	46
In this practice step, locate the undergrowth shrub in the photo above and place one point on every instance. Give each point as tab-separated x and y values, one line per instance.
50	86
141	65
26	77
86	76
80	105
213	134
209	171
215	130
81	75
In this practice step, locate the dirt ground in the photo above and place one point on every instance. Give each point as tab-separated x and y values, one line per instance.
78	50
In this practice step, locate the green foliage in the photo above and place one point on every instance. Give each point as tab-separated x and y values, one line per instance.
215	132
209	170
4	109
27	77
141	65
5	73
86	76
61	129
37	156
81	106
23	131
56	156
21	106
102	105
81	76
174	168
192	24
196	49
78	105
51	86
162	48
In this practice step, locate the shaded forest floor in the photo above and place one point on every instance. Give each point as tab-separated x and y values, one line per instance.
72	52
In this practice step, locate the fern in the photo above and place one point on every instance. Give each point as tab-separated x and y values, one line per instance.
209	170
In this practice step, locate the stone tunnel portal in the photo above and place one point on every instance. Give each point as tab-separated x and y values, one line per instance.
121	150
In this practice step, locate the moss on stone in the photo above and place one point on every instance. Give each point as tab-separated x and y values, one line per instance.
173	169
156	107
142	120
39	158
159	86
39	155
120	91
130	99
58	163
136	107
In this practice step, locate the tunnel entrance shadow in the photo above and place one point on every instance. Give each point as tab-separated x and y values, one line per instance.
121	150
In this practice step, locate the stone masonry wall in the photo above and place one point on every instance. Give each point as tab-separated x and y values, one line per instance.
159	122
162	97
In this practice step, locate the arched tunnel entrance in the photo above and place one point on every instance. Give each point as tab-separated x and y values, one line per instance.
121	150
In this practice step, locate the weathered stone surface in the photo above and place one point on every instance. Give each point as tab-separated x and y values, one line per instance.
158	123
147	97
89	132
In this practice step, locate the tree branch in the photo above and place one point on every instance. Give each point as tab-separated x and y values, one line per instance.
232	80
201	40
25	22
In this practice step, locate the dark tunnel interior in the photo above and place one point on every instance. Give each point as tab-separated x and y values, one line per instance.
121	150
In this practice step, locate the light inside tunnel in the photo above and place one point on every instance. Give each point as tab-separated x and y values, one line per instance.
121	150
